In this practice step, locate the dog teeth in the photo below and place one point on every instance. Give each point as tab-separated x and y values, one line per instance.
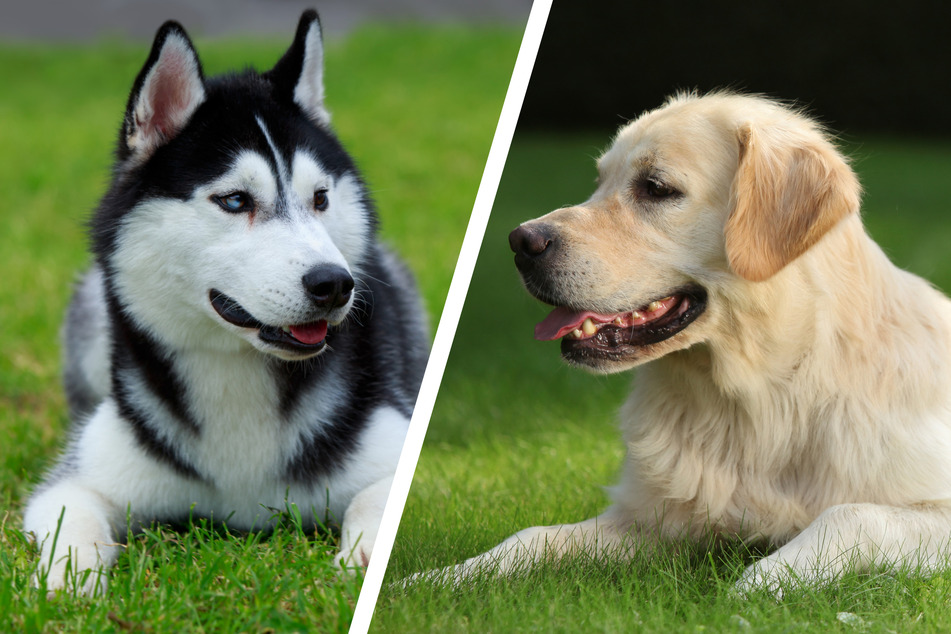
635	315
286	329
588	327
658	304
576	333
618	321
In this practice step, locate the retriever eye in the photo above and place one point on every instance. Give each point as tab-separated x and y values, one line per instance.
321	200
657	189
653	188
235	202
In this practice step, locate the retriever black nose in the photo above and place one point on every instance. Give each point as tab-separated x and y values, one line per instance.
329	286
530	241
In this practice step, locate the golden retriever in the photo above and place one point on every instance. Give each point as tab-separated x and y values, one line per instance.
796	385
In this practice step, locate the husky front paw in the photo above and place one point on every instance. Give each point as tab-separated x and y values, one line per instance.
353	556
361	523
72	524
83	572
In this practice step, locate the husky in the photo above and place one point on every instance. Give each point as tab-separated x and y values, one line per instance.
243	342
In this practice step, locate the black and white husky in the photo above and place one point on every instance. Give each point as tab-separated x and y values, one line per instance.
243	342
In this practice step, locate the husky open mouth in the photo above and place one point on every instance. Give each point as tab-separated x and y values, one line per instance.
587	334
308	338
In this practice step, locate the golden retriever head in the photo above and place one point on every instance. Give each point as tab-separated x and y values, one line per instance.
699	194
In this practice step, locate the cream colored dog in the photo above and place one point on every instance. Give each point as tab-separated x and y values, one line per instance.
796	386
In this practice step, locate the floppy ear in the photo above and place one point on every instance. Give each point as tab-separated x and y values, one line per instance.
299	74
789	190
165	95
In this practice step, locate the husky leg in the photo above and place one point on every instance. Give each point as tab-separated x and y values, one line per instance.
855	537
86	341
74	526
361	523
601	536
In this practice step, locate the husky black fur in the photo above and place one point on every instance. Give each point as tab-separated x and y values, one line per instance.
243	341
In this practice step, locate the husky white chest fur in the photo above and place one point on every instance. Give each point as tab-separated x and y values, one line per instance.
243	341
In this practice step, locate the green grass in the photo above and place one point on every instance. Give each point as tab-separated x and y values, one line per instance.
518	439
417	107
202	579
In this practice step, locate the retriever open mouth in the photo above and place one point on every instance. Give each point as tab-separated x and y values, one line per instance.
584	333
306	338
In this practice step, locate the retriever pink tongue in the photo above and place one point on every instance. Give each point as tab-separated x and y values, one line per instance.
310	333
561	321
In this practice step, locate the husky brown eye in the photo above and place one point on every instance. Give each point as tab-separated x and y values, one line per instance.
321	201
235	202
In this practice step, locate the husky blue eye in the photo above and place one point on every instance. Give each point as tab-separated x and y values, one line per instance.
235	202
321	201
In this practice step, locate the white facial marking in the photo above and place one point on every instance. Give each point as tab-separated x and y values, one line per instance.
281	167
345	219
250	173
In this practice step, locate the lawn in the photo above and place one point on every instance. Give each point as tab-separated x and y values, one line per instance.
417	106
518	439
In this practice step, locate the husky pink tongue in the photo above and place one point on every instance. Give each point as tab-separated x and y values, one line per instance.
563	320
310	333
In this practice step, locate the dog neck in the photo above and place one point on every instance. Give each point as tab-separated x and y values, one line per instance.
830	309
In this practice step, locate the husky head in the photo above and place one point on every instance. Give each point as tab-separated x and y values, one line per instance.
234	214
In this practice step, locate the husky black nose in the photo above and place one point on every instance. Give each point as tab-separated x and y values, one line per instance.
329	286
531	243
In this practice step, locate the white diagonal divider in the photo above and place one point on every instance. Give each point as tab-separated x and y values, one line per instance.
446	330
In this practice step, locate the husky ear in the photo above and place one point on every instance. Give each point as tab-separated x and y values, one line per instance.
790	188
299	74
165	95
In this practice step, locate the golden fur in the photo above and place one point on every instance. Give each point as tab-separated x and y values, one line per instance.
809	405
